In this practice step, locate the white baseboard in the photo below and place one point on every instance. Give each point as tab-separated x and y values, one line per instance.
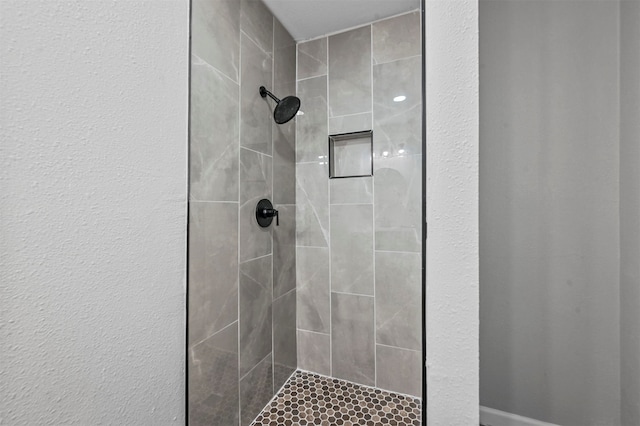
492	417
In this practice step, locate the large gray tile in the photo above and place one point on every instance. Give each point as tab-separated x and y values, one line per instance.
352	248
351	123
398	198
397	126
215	34
256	113
396	38
256	389
399	370
255	184
311	137
312	205
255	312
284	251
257	22
314	352
213	268
284	338
214	133
312	58
313	289
350	72
213	379
398	299
284	135
352	191
352	338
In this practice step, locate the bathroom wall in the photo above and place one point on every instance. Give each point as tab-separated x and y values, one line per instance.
549	210
242	300
359	239
630	210
93	207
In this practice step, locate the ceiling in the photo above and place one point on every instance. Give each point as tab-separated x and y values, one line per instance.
307	19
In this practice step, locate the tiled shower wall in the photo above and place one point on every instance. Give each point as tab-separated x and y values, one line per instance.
242	300
359	239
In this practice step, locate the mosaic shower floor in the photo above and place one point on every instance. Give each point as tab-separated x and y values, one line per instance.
311	399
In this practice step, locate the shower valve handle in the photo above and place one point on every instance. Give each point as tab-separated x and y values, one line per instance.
271	213
265	213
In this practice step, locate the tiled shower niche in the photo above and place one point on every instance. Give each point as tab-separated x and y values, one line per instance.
336	288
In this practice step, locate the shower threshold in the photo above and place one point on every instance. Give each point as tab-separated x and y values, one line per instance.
311	399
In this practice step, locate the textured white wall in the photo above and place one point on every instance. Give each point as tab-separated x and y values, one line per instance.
630	210
549	210
93	200
452	212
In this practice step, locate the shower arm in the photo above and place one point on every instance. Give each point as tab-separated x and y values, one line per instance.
264	92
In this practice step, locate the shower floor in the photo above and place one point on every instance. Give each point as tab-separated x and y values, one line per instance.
311	399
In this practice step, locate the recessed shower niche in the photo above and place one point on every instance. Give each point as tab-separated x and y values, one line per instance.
331	292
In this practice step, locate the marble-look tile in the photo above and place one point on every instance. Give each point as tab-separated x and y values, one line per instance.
215	34
256	389
357	190
255	184
350	123
311	137
213	268
350	72
284	135
256	112
312	205
313	289
257	22
352	338
284	337
399	370
213	379
312	58
399	299
398	198
352	248
314	352
396	38
397	126
284	251
255	312
214	135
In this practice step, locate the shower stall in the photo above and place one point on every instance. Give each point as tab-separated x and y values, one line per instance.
305	273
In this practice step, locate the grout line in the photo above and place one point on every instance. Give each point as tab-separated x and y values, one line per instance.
255	258
270	55
352	204
309	78
352	294
314	247
213	334
328	110
271	230
398	347
257	152
238	209
398	59
286	294
214	202
373	228
256	366
398	252
311	331
208	65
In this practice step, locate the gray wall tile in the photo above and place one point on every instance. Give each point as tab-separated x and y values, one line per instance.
255	312
256	389
312	268
314	352
257	22
215	34
213	266
352	338
284	251
398	195
352	191
312	137
284	338
214	128
256	113
352	248
399	370
397	125
350	72
312	204
255	184
312	58
398	299
396	38
351	123
213	379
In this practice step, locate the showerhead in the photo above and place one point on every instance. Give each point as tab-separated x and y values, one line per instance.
286	108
